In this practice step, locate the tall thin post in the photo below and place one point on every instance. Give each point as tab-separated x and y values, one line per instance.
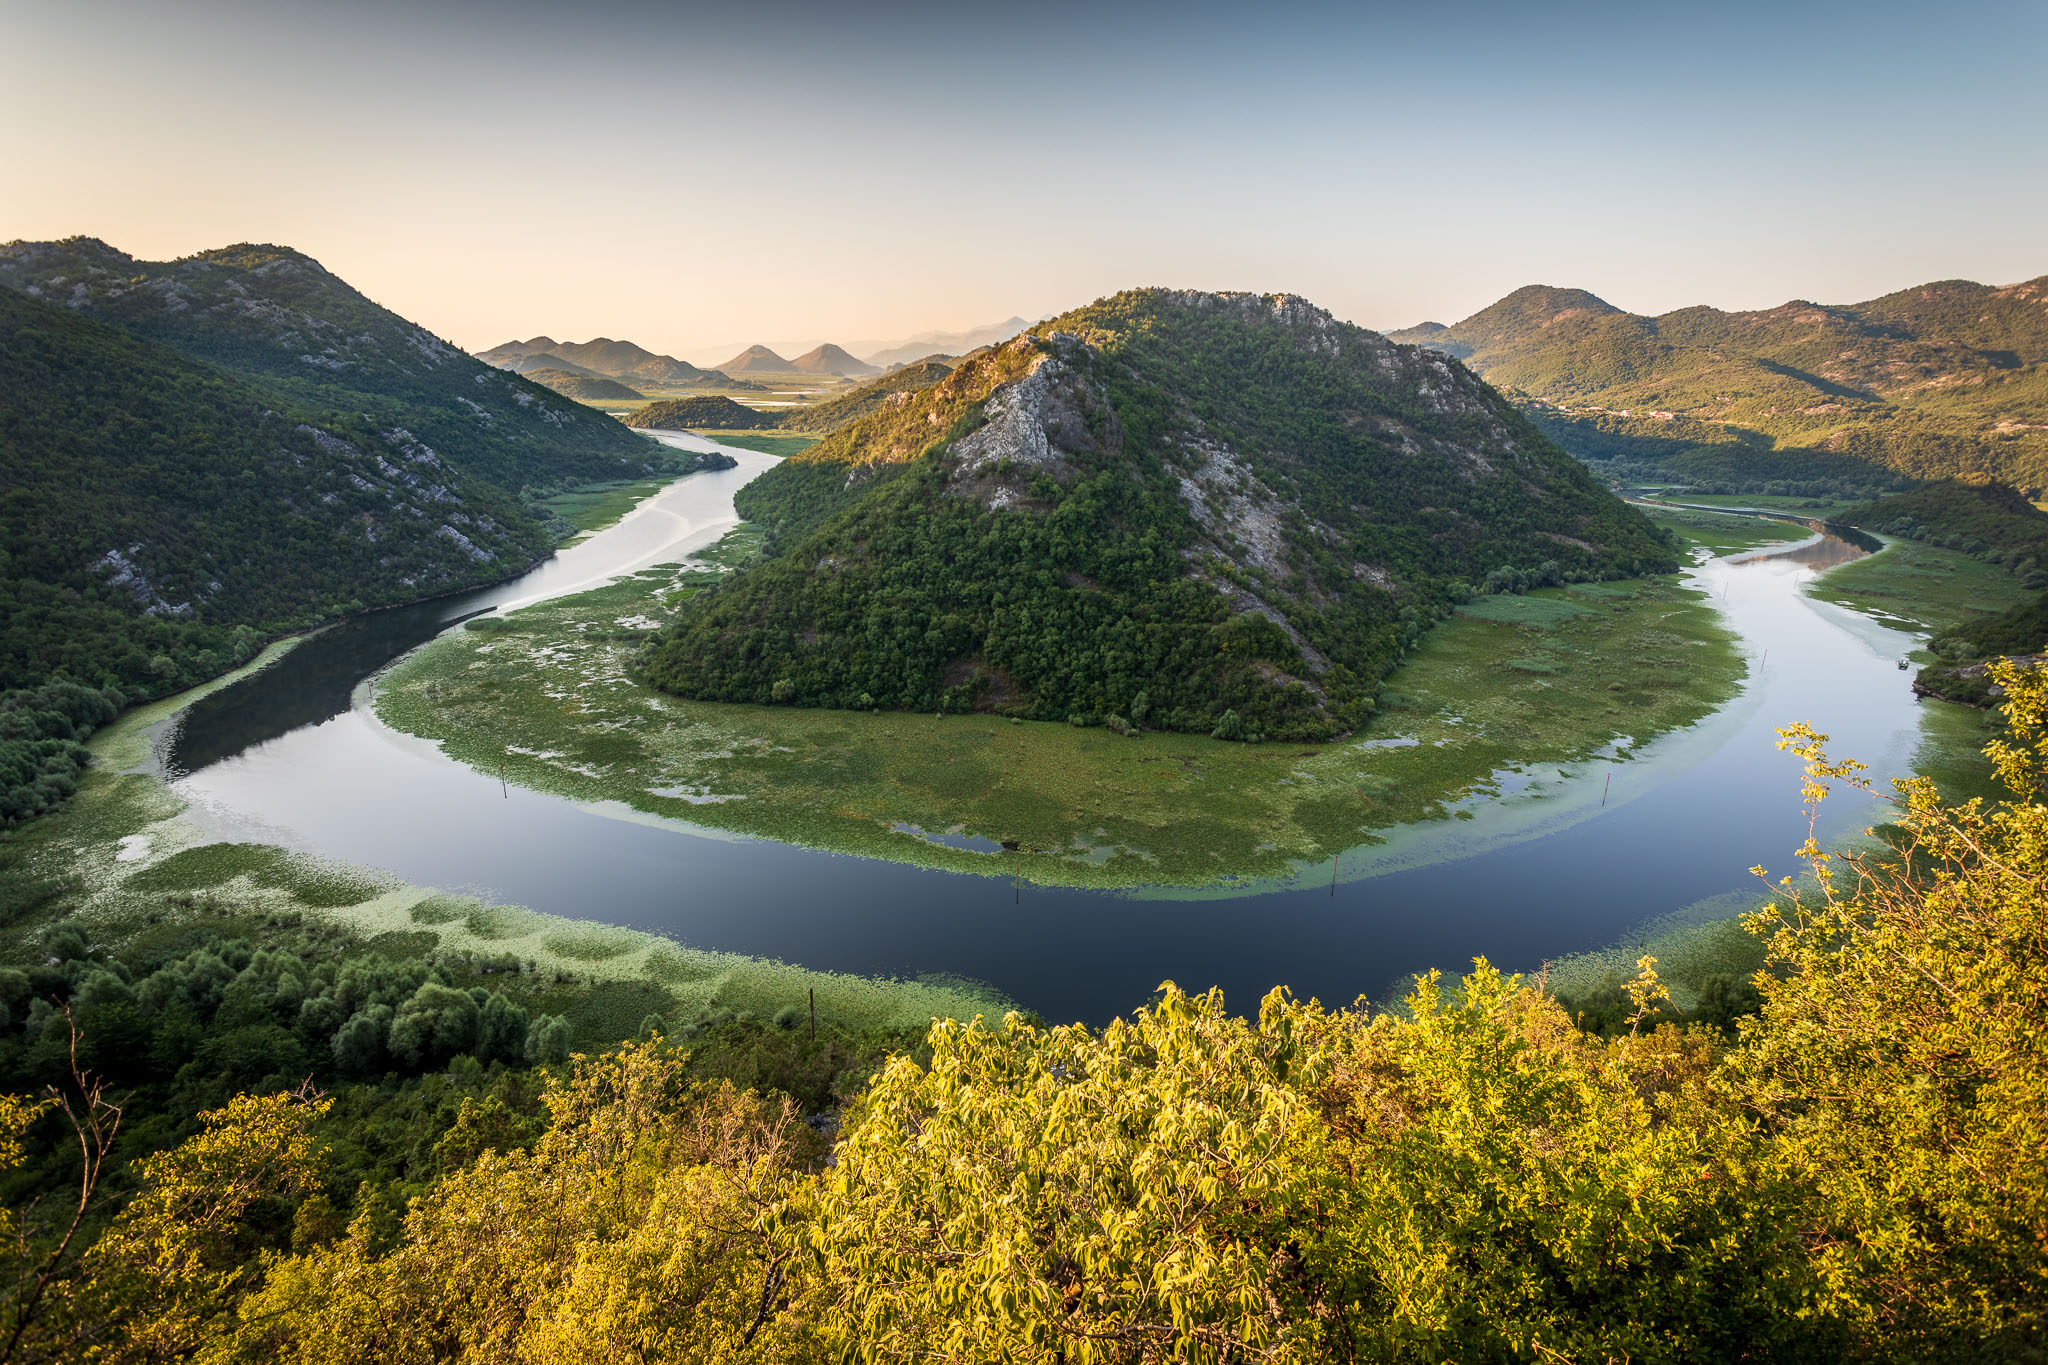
1603	789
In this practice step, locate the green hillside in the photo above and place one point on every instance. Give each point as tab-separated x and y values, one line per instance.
1947	379
582	387
1987	521
161	515
1181	510
273	313
712	413
870	397
1963	657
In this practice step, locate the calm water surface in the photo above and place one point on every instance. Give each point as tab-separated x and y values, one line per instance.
291	756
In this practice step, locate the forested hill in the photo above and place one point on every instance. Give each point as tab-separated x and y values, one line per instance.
270	312
1175	509
709	412
161	516
1946	379
834	413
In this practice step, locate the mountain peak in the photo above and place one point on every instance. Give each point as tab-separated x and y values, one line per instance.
254	256
1269	459
831	359
757	359
1540	299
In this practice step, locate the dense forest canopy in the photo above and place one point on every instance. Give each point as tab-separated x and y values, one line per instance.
1946	379
1188	511
1989	521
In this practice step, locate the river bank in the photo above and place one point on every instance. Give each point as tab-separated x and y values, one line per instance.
1508	686
141	863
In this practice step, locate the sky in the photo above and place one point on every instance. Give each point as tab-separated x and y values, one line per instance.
696	178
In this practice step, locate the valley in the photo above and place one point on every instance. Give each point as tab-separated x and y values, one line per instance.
701	686
1509	773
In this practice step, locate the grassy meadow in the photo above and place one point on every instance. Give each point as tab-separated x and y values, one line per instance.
1924	586
1509	686
592	507
767	442
1725	533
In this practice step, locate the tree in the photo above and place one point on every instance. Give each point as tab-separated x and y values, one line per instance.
173	1265
1038	1195
1900	1057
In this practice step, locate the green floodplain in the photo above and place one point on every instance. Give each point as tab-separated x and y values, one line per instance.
592	507
1514	695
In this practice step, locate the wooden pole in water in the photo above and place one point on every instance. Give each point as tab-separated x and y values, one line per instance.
1604	787
503	790
1333	874
814	1014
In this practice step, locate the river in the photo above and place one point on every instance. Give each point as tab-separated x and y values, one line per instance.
292	755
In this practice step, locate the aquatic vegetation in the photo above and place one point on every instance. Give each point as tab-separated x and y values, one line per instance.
1546	678
124	863
1925	586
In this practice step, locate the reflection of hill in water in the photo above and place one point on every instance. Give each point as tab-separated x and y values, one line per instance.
1824	551
310	684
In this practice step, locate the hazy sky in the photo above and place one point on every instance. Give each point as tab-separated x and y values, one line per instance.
696	178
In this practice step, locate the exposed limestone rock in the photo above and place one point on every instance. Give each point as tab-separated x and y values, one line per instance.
1034	425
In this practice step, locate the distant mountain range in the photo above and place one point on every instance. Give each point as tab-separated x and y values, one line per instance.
601	358
719	413
1945	379
758	360
635	365
830	359
201	453
926	344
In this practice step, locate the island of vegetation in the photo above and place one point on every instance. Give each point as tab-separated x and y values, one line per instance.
582	387
1226	513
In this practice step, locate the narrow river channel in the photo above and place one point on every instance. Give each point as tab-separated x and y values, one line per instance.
291	755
